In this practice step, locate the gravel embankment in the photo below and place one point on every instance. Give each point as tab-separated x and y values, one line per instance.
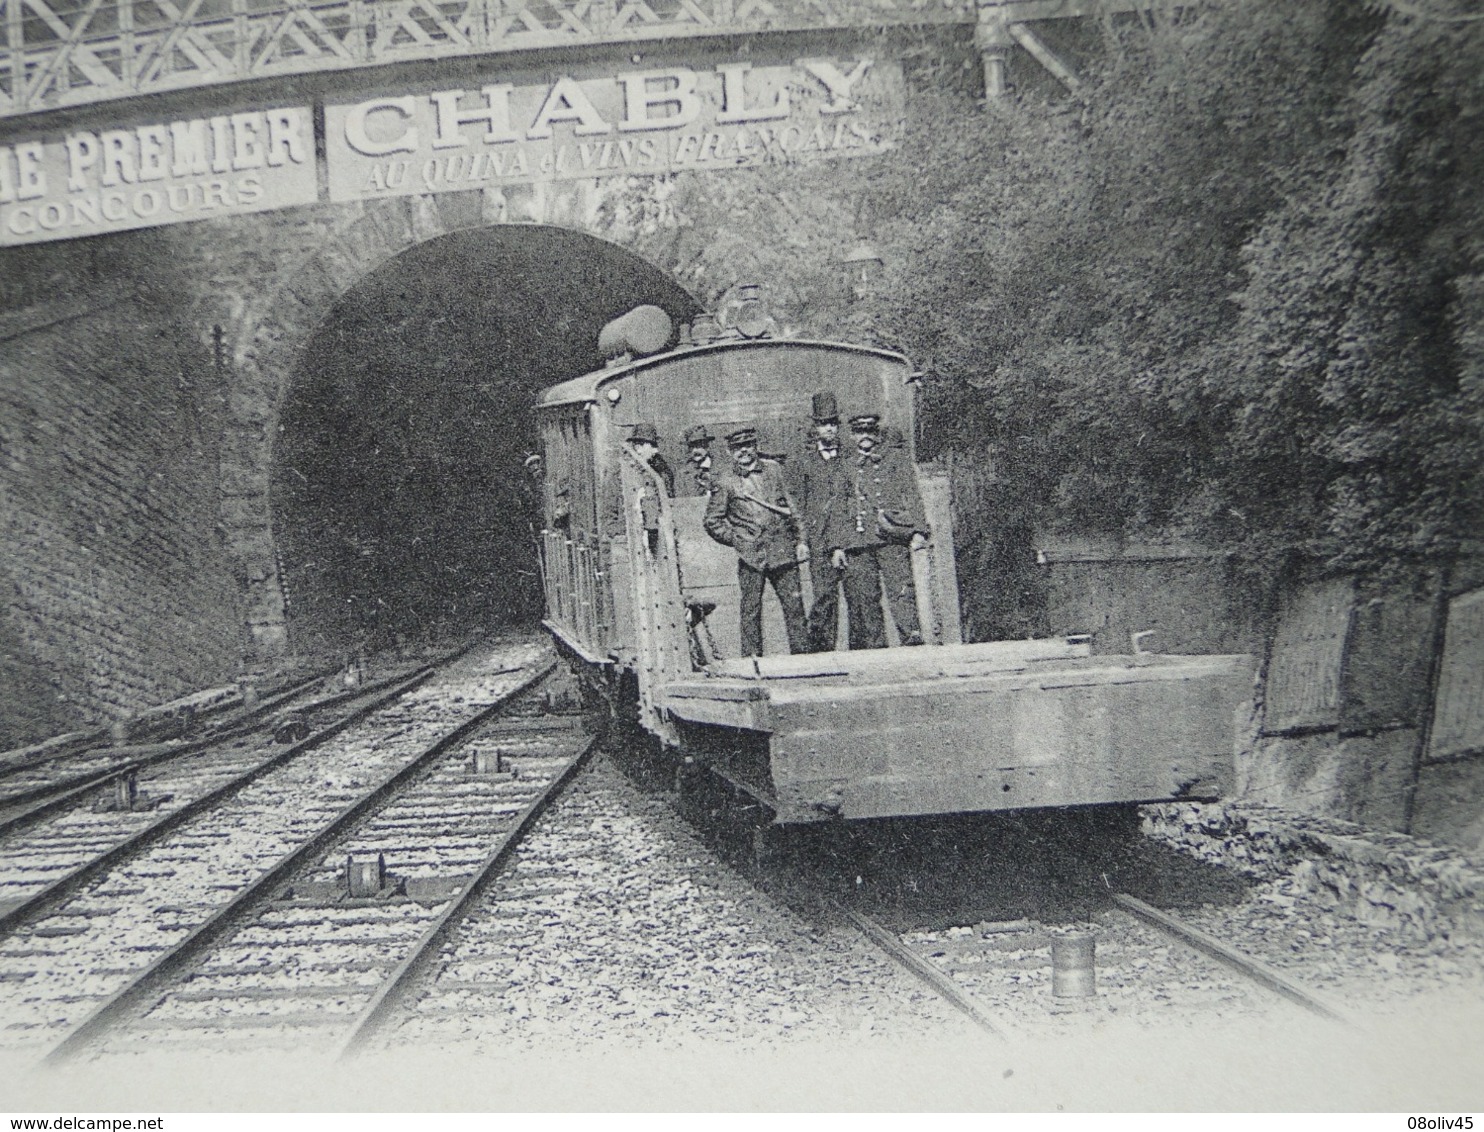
615	924
1370	918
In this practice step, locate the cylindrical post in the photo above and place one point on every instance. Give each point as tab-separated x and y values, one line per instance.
1073	972
995	85
992	40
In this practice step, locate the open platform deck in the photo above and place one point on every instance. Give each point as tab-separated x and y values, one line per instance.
955	728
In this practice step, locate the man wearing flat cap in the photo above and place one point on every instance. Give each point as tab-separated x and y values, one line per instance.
750	511
872	532
645	441
698	443
818	487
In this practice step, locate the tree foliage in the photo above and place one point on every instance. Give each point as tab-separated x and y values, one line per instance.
1230	292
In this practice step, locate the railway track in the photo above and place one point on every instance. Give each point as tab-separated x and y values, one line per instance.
607	917
54	844
379	888
315	953
33	789
211	709
899	885
614	924
1000	974
84	939
46	791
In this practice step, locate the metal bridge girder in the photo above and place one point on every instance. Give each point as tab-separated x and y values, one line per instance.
60	53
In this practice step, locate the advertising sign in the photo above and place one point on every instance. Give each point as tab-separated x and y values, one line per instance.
87	183
1458	722
1303	689
640	122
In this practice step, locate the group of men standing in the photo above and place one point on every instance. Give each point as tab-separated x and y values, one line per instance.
853	513
862	516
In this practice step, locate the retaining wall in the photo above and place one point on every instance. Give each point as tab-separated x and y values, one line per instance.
119	593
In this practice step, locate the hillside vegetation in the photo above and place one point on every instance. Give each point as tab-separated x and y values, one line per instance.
1231	292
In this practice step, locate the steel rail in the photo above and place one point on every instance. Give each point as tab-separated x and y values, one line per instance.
154	752
98	739
395	988
114	1009
46	899
1244	964
954	994
51	797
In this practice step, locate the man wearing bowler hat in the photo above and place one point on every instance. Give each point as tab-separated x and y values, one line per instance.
698	443
645	441
819	486
750	511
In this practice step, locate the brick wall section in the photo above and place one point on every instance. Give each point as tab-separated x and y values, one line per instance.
119	591
270	280
138	557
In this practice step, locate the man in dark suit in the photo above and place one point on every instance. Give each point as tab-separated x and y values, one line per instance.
905	529
750	511
872	532
698	443
819	480
645	441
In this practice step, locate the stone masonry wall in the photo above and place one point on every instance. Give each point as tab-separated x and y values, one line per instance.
269	280
119	592
1388	880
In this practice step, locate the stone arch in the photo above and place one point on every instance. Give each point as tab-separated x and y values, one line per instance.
273	325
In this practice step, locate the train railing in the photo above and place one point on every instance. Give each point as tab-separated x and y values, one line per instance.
661	630
577	598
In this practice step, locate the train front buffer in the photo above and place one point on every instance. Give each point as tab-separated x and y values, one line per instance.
1081	732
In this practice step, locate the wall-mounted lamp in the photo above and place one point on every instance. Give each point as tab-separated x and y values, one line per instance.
747	315
862	267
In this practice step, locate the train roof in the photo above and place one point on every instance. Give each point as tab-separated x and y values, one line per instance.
580	390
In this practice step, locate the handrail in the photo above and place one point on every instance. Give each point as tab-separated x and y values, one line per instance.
663	640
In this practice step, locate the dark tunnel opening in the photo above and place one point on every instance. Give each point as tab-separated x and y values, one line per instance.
401	506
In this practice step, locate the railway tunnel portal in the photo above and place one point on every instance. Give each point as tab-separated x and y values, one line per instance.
267	335
400	504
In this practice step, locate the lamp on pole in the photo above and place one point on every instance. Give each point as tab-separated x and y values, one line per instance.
862	267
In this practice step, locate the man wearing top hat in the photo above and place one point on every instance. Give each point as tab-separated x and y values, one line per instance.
645	441
873	529
750	511
698	442
818	487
